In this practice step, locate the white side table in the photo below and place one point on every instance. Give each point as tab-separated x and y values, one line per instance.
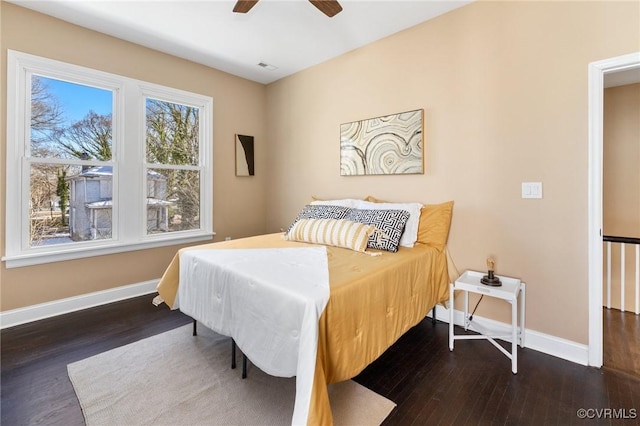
509	291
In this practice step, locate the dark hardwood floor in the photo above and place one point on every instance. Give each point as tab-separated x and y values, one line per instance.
35	388
621	341
431	385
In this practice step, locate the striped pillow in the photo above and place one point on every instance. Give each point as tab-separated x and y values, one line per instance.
332	232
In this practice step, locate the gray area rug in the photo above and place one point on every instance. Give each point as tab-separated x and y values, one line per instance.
175	378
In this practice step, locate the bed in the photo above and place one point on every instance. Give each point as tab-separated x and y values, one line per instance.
318	312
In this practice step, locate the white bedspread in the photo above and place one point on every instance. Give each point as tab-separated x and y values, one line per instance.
268	300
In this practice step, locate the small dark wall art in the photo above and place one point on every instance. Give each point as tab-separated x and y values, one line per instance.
387	145
245	164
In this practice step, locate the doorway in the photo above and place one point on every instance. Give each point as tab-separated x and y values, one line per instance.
598	71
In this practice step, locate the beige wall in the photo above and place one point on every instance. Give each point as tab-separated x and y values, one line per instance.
621	182
238	107
504	90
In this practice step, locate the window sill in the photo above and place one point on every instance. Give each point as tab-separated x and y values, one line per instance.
30	259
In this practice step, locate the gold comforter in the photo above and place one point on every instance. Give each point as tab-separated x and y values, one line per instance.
373	301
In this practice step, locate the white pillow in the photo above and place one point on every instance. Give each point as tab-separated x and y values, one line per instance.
410	234
346	202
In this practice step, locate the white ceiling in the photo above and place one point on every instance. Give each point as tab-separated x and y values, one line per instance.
621	78
289	34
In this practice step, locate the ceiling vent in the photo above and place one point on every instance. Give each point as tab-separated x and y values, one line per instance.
267	66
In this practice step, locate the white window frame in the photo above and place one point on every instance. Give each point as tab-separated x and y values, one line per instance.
128	161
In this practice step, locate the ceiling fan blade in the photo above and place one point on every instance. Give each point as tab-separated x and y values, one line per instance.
243	6
328	7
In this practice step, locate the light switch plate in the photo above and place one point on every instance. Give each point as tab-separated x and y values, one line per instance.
531	189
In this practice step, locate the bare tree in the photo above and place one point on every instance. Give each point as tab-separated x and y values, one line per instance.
46	122
46	118
89	138
40	198
172	133
172	138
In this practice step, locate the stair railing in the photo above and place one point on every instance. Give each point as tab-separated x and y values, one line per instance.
623	241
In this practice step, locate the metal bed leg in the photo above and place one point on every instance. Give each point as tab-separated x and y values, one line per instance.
233	359
233	353
244	366
433	316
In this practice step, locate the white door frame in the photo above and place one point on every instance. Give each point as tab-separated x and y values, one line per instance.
597	70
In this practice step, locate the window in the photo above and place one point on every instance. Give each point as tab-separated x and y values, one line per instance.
75	188
172	172
68	122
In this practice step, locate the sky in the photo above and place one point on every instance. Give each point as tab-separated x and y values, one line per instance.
77	100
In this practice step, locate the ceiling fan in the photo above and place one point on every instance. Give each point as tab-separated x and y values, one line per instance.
328	7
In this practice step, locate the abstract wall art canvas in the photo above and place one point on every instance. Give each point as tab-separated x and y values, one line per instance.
245	163
387	145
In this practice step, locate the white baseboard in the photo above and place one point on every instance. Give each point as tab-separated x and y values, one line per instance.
541	342
63	306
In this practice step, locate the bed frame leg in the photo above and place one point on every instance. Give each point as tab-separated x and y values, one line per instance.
233	353
233	359
433	316
244	366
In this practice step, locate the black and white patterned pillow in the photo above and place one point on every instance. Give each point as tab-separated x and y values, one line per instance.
320	211
391	223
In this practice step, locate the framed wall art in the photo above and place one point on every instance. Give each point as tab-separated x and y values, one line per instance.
245	163
387	145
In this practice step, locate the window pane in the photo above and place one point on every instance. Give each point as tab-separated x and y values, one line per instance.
173	200
70	120
69	203
172	133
